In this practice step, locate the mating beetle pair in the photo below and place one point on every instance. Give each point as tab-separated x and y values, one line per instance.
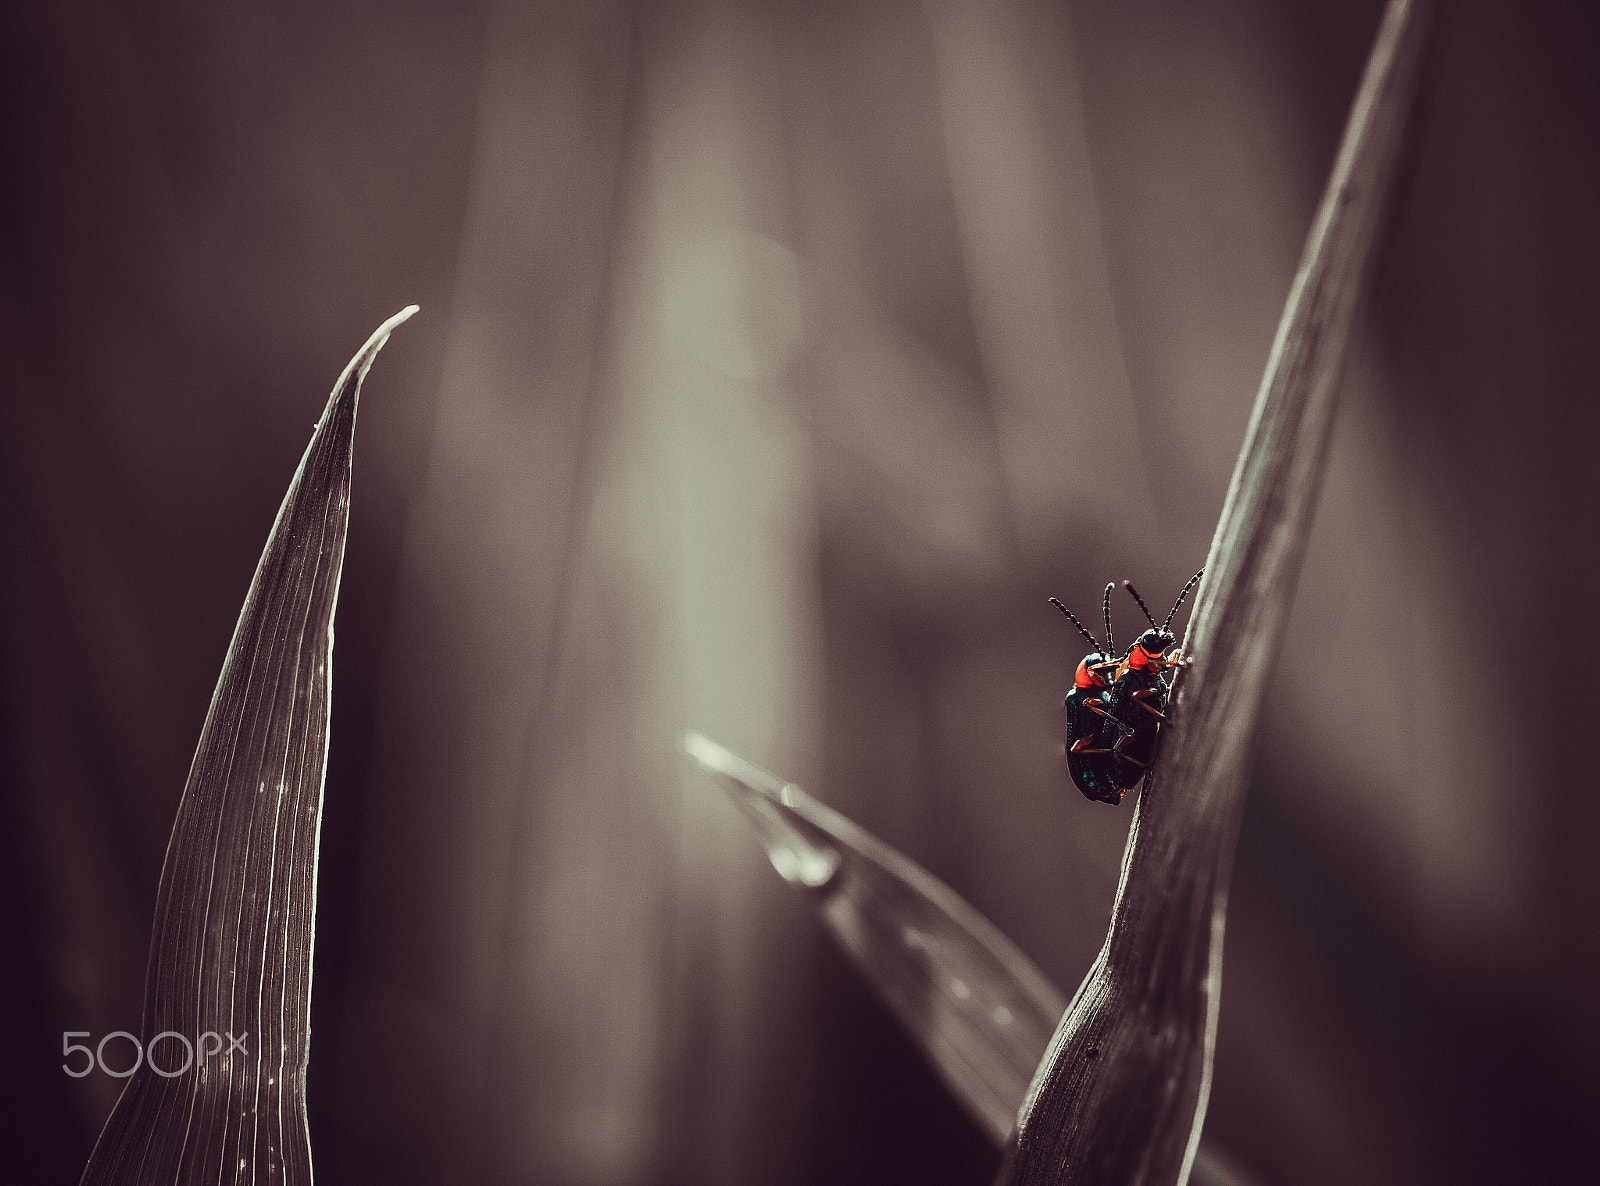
1117	706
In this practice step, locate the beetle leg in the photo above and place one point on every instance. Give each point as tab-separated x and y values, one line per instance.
1097	706
1139	698
1078	747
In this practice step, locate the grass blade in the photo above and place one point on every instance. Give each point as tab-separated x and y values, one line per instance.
974	1003
979	1009
1121	1095
231	946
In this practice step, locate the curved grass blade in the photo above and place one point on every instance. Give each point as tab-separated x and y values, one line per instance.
979	1009
1121	1095
974	1003
231	947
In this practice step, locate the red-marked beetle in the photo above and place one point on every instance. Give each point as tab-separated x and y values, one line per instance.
1093	767
1136	705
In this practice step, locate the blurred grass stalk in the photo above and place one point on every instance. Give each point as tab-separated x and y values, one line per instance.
228	984
977	1007
1121	1094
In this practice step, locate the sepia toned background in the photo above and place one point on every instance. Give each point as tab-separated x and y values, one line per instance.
775	363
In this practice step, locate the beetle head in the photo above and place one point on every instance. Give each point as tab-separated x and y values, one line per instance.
1088	674
1155	643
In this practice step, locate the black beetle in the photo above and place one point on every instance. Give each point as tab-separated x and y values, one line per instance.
1136	705
1093	767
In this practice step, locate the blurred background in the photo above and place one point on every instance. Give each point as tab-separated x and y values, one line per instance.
775	363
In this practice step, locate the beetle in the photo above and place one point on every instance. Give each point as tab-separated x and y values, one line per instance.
1136	705
1093	766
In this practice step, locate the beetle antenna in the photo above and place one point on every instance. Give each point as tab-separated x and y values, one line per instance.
1093	641
1128	585
1111	647
1193	581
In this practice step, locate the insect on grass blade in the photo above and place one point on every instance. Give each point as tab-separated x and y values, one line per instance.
1121	1095
220	1095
